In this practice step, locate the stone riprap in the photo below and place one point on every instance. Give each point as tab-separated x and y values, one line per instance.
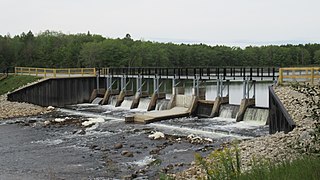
14	109
302	103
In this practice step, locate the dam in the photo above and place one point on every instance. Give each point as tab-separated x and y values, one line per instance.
226	93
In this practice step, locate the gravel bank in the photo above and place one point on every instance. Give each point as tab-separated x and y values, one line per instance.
14	109
302	103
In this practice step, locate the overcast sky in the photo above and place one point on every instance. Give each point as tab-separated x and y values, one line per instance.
225	22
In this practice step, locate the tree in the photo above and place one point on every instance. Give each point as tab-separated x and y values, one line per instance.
316	57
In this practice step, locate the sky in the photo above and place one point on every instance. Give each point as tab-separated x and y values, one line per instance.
214	22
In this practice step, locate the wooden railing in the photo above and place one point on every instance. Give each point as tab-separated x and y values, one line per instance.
299	74
50	72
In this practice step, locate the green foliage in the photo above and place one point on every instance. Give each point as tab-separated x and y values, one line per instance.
55	49
316	57
225	164
13	82
304	168
222	163
165	177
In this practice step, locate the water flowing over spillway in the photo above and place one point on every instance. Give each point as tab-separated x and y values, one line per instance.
97	100
127	102
256	114
162	104
112	100
144	103
228	111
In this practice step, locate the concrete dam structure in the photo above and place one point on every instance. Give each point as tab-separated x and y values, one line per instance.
133	91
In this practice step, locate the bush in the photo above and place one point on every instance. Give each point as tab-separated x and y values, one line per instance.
222	163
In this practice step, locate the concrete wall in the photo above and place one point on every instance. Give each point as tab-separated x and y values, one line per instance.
57	91
183	101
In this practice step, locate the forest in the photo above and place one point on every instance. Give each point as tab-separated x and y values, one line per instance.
58	50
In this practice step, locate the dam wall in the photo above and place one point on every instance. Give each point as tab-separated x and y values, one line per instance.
57	92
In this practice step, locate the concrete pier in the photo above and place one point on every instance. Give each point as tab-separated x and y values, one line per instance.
245	103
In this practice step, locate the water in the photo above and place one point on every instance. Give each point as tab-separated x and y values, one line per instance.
112	100
256	114
228	111
127	102
69	150
162	104
144	103
97	100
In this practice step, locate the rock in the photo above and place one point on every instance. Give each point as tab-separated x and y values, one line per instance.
14	109
156	135
104	149
82	132
32	121
59	120
304	136
208	140
127	153
154	151
170	166
46	123
93	146
50	108
118	146
92	121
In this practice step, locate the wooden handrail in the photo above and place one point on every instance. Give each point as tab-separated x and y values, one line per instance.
299	74
52	72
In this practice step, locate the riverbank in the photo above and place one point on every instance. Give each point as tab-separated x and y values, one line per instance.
15	109
302	103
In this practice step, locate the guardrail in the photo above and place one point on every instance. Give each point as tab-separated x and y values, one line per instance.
222	72
299	74
50	72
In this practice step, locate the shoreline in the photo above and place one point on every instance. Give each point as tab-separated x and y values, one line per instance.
10	109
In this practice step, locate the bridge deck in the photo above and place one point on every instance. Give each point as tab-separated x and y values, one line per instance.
154	116
239	78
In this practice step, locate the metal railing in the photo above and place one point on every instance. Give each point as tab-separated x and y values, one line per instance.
222	72
299	74
51	72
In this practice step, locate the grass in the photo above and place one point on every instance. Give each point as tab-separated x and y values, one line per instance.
225	164
305	168
13	82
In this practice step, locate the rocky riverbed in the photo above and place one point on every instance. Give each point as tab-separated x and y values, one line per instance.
302	103
89	141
